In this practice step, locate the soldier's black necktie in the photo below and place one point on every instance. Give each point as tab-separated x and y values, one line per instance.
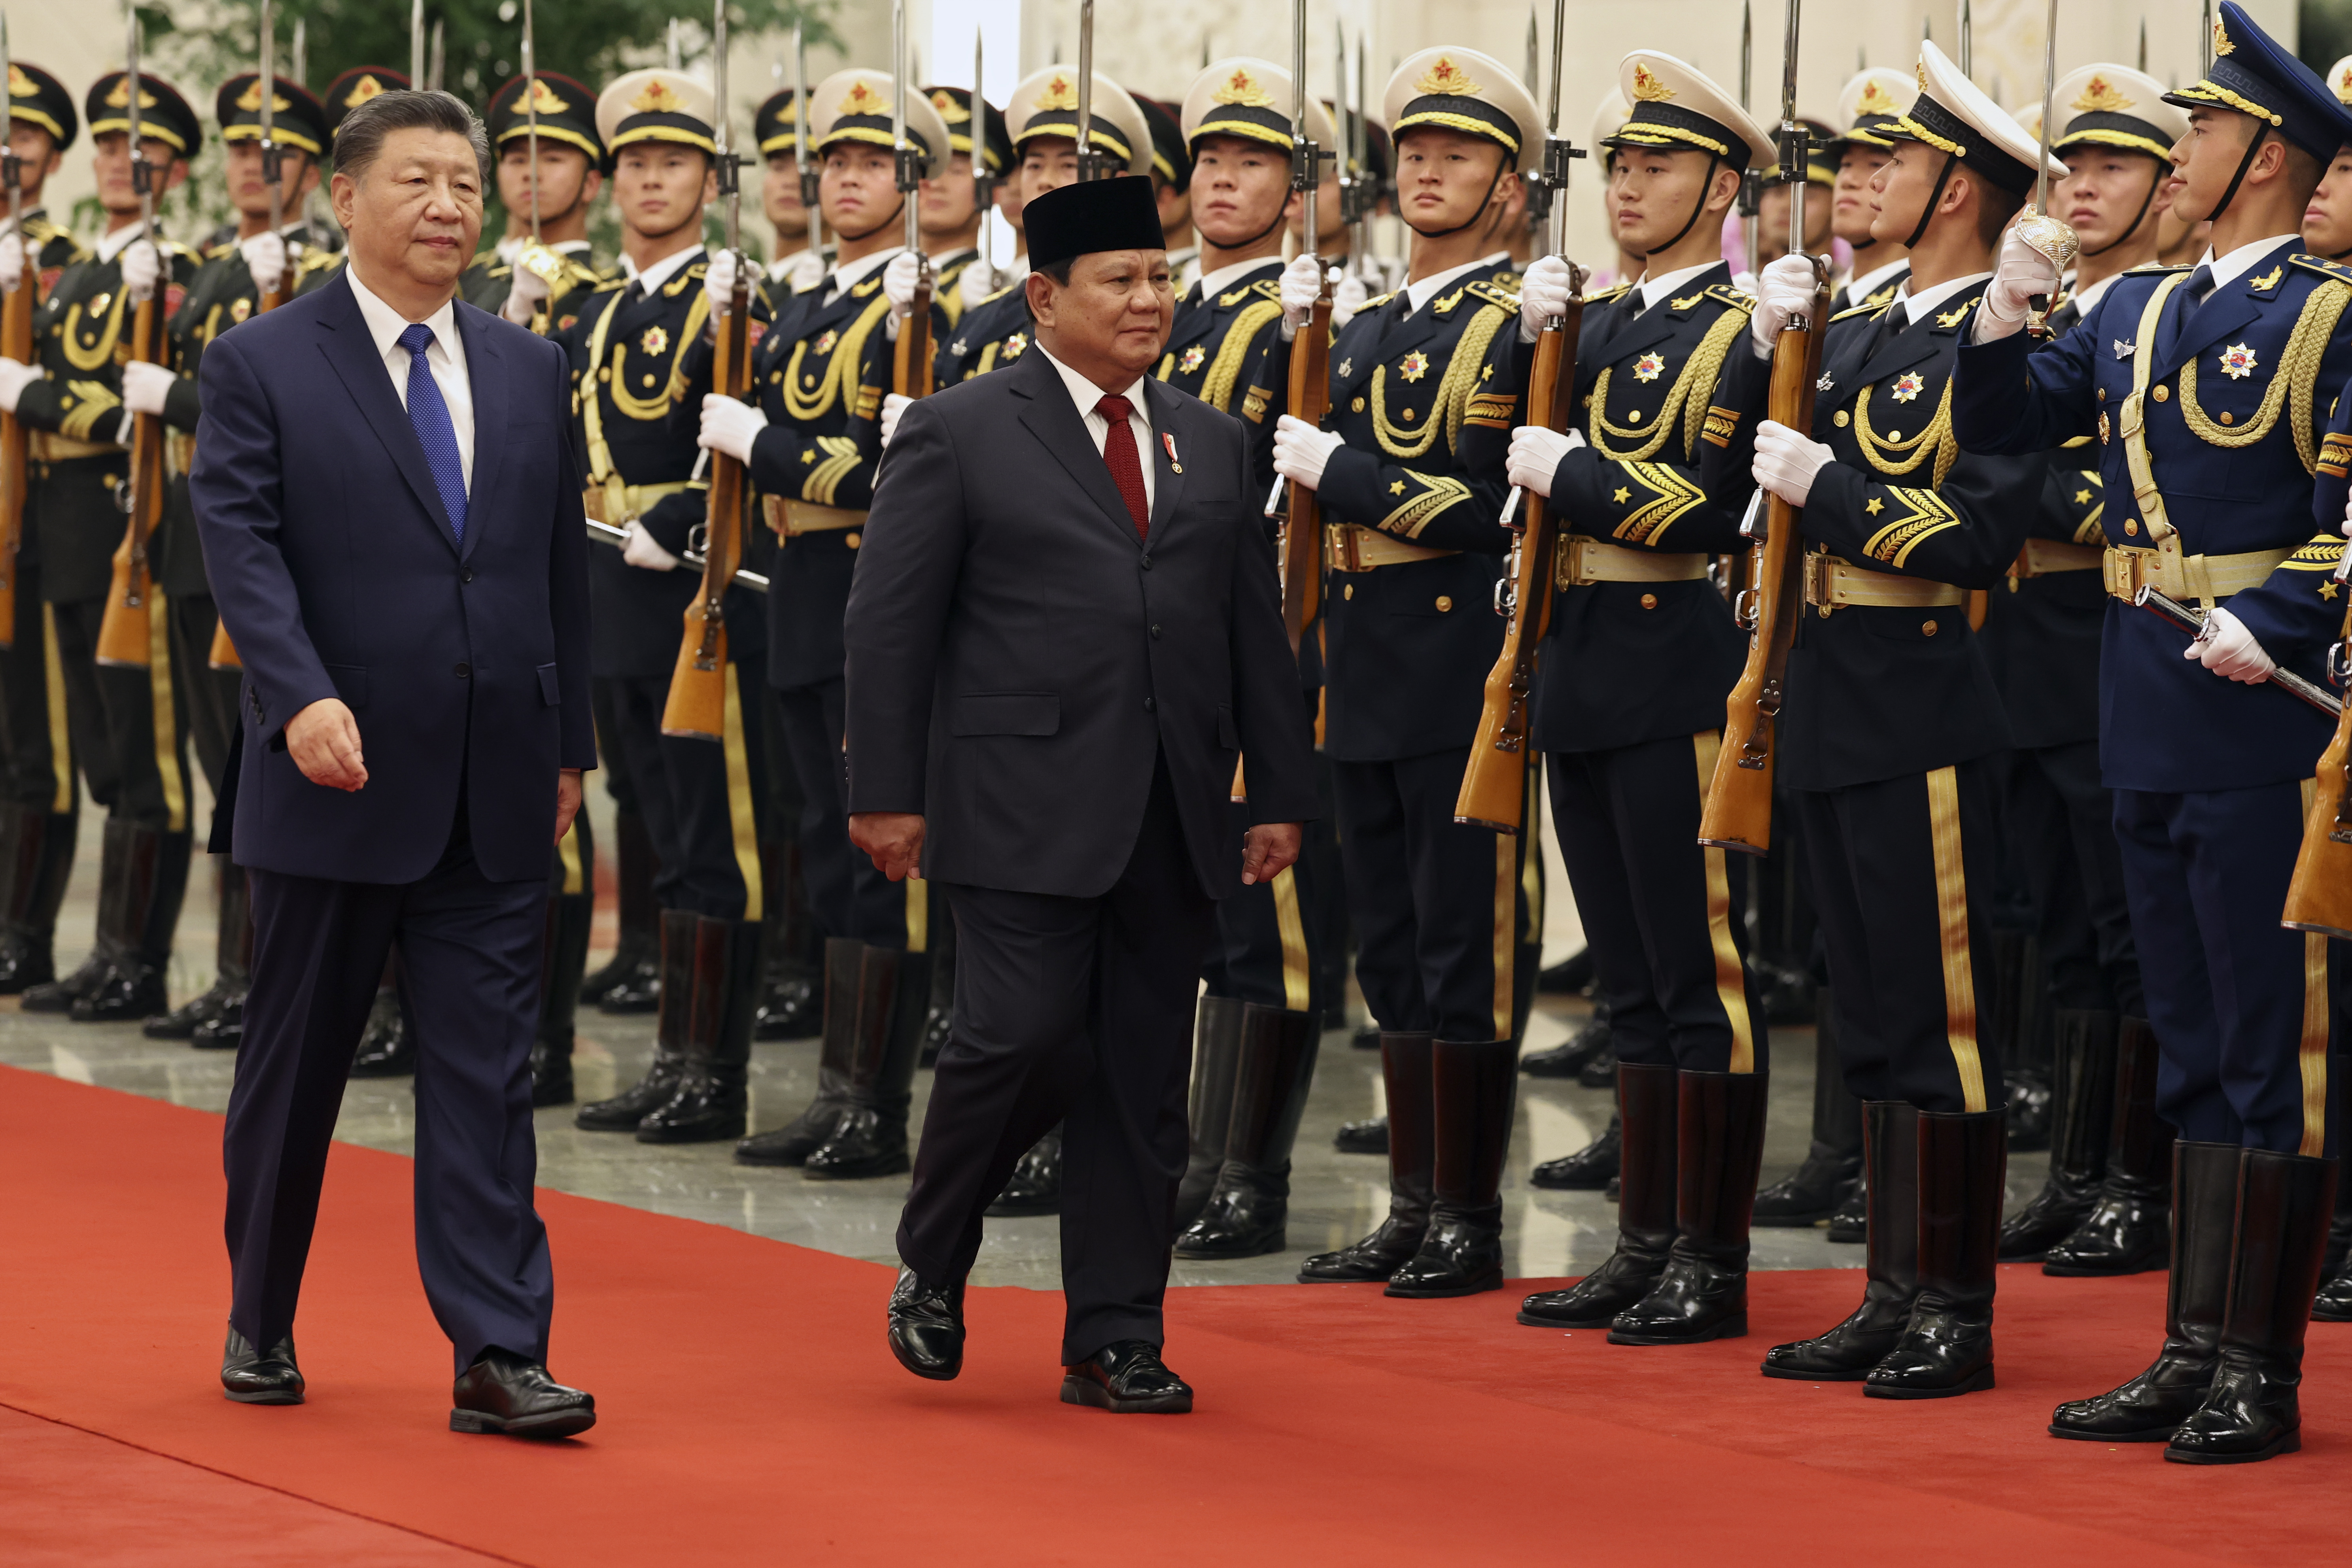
2193	295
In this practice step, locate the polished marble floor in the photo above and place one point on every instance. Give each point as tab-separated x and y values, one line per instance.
1335	1198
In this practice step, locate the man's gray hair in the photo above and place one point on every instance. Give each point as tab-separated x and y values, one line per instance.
359	140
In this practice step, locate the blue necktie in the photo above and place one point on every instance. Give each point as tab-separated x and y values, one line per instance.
430	415
2193	294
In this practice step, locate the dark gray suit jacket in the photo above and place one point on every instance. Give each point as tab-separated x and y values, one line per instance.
1017	657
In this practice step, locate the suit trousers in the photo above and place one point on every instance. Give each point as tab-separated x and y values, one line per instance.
1669	953
2240	1005
1442	910
37	742
1901	871
469	975
2052	797
704	804
1076	1011
129	724
851	899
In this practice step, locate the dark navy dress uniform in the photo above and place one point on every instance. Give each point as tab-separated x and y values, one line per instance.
987	337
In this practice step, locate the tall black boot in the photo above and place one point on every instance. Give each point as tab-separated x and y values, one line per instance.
1412	1152
1247	1214
2129	1230
674	986
570	916
1890	1152
39	849
1648	1105
2148	1407
1832	1164
1475	1083
139	950
2251	1411
1590	1168
2027	1058
1947	1349
1570	1059
59	995
2082	1081
894	989
2334	1303
791	1144
182	1022
1035	1185
792	1004
224	1030
1719	1148
710	1102
1216	1067
387	1047
631	983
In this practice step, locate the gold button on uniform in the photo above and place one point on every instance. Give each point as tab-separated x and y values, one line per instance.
2228	418
1357	406
1649	601
1348	592
2131	525
1927	628
2162	395
1635	417
2103	394
1842	419
1444	603
850	539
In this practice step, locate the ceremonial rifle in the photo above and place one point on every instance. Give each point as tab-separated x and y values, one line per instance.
2319	898
983	183
606	534
1540	194
1494	786
699	689
125	637
910	371
1738	814
1751	180
1090	163
1298	549
536	258
809	176
16	343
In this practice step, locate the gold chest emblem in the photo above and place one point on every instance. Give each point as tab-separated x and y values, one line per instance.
655	341
1413	366
2237	361
1014	346
1908	385
825	341
1190	360
1649	367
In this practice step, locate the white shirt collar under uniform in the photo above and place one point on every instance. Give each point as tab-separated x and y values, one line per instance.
110	246
1654	289
662	271
2238	263
1085	394
1916	306
1213	284
850	274
445	357
1863	285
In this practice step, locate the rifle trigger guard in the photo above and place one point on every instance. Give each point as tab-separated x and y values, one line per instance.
2339	663
1744	608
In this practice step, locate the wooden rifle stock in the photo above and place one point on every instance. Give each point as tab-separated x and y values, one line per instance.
124	637
2319	898
911	366
1301	550
696	707
1738	814
16	343
1494	787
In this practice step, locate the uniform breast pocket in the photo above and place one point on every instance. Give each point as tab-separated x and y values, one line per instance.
1004	713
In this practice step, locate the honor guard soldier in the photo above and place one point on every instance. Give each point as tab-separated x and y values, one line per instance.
1629	709
1364	275
2209	391
1409	479
812	447
344	94
1888	731
1870	103
639	378
796	262
125	720
228	289
570	176
951	212
1261	1018
1171	189
38	801
2104	1208
1042	119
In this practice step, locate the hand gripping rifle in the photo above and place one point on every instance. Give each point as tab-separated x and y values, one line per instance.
126	636
1738	814
910	369
699	686
16	343
2319	898
1298	550
1494	787
536	258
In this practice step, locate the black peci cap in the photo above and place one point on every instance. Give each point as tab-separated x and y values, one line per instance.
1118	214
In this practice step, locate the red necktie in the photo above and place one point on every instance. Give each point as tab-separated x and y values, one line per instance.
1126	465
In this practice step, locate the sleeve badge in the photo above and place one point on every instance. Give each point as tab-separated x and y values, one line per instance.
1649	367
1909	385
1190	360
655	340
2237	362
1413	366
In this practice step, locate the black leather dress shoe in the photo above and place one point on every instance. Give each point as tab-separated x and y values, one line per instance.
128	991
250	1377
1127	1377
1369	1136
1569	1060
926	1327
24	962
503	1392
1590	1168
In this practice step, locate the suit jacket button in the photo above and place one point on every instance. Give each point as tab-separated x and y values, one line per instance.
1146	559
2131	525
1155	630
464	577
1149	705
2162	393
464	671
1444	603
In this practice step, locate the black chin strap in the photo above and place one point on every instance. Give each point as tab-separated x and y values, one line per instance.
1500	170
1281	208
1934	197
2162	169
2261	134
1706	186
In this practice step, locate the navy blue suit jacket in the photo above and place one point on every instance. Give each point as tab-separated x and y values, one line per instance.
337	575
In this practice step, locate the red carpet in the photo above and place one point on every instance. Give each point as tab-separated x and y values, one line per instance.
751	1412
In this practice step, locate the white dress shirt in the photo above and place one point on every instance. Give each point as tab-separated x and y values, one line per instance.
1085	394
112	244
2088	300
2238	263
1212	284
445	357
850	274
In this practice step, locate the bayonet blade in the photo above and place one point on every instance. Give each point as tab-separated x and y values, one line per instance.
1086	90
530	111
417	45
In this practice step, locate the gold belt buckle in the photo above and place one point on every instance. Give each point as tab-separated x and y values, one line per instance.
1817	583
1344	547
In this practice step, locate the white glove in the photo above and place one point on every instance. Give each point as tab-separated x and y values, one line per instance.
1536	453
729	425
1302	285
1785	290
976	284
893	405
1300	450
14	377
803	270
2227	648
1346	299
140	270
898	281
265	257
2347	516
144	386
2020	273
1786	463
528	292
718	283
639	549
12	262
1544	294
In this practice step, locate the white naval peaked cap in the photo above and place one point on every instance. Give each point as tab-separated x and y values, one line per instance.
1252	99
855	106
2113	106
655	104
1953	115
1870	101
1677	107
1464	90
1046	104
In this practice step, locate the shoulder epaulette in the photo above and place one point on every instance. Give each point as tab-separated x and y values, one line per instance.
173	248
610	285
1269	286
1603	295
1509	279
220	250
2323	266
320	260
1375	301
1738	298
2154	267
1863	309
1493	293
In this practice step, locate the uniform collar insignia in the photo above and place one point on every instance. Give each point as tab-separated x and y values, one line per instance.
1950	319
2267	281
1686	301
